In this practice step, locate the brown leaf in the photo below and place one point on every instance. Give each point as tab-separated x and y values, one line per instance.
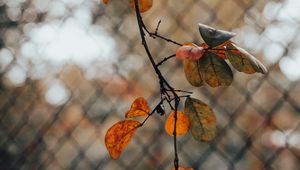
119	135
192	73
144	5
203	119
182	124
182	168
214	70
241	60
138	108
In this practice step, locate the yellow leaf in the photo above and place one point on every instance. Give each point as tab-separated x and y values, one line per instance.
182	124
144	5
138	108
119	135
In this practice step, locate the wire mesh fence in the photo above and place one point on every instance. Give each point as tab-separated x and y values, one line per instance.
69	69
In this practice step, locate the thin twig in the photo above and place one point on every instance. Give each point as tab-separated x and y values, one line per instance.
156	35
152	112
159	104
158	24
184	91
165	59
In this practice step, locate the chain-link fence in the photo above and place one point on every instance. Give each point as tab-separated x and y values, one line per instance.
71	68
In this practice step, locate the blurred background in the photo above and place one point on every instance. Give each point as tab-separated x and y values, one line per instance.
69	69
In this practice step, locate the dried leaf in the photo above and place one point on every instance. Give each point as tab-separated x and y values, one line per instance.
214	37
182	168
203	119
189	52
144	5
182	124
219	53
138	108
106	1
214	70
241	60
192	73
119	135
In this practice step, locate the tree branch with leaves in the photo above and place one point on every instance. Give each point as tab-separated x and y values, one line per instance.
202	64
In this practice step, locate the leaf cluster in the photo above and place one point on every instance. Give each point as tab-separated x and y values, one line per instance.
207	63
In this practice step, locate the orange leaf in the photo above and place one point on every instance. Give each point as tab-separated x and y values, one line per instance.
219	50
144	5
190	44
119	135
182	168
138	108
106	1
182	124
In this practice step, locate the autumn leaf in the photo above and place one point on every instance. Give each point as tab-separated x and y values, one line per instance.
214	37
144	5
182	124
138	108
192	73
203	119
182	168
189	52
211	69
214	70
241	60
218	50
119	135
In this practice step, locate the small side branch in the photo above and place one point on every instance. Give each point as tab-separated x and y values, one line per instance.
157	35
165	59
158	24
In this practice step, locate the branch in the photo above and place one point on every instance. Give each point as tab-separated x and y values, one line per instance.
164	60
165	87
158	105
176	160
156	35
158	24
